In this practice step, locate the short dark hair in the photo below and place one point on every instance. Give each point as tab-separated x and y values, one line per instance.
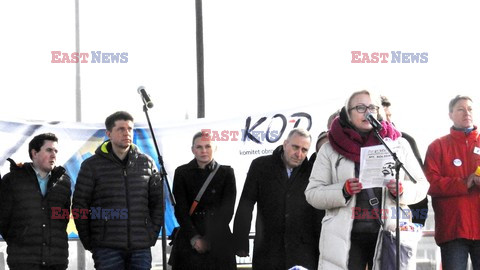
332	117
321	136
120	115
455	100
38	141
385	101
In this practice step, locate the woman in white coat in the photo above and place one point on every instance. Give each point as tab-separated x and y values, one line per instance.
349	237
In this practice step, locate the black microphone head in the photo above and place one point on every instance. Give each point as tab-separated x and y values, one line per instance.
150	104
373	121
369	116
145	97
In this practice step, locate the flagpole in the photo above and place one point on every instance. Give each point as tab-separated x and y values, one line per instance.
78	92
200	62
78	115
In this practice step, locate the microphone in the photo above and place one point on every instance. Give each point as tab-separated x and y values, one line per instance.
373	121
145	97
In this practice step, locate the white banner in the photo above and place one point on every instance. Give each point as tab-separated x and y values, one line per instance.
239	141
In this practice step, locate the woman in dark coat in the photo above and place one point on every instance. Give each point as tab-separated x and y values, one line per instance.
204	240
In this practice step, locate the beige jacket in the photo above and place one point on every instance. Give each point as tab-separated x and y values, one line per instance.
324	191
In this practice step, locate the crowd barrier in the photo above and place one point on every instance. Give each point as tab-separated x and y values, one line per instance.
428	255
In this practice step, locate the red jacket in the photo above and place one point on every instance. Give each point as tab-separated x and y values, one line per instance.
448	163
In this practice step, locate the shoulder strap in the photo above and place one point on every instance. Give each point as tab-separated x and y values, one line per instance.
374	203
202	190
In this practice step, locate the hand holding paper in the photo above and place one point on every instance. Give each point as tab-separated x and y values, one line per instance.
353	186
392	187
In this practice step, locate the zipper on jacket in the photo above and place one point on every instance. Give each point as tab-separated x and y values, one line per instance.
125	178
105	226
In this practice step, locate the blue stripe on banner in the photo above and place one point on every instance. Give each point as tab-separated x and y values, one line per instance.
24	131
144	141
87	150
89	140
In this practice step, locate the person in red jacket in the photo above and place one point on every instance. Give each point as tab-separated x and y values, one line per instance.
450	165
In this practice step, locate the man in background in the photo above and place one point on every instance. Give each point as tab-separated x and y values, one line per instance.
420	209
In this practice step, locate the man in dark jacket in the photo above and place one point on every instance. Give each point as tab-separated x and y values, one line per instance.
36	238
119	190
420	209
287	227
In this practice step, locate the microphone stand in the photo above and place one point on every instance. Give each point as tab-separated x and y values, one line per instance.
164	180
398	165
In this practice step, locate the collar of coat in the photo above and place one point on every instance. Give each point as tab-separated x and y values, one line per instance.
459	134
277	154
56	173
209	167
104	149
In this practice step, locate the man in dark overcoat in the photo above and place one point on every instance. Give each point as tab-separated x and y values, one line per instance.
287	227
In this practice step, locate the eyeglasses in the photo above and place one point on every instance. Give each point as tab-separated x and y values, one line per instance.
363	108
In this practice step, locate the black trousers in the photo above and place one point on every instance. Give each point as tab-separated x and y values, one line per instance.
31	266
362	250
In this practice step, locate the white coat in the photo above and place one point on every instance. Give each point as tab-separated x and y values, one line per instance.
324	191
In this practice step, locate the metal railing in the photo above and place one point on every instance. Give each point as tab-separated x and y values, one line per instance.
428	255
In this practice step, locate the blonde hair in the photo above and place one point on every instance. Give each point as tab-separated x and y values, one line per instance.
374	97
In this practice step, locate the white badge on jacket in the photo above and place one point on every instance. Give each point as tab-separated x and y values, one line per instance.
476	150
457	162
